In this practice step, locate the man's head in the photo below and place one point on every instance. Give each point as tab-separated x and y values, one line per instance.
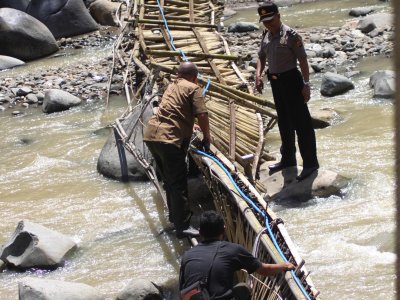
269	15
188	71
211	225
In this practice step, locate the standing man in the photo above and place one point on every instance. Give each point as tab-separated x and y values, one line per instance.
282	47
167	136
218	260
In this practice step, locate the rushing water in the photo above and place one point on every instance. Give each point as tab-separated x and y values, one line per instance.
48	175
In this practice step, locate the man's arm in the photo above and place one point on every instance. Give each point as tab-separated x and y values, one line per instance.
260	68
204	124
305	71
273	269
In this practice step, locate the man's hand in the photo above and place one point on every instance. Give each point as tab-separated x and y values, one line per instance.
288	266
259	84
205	145
306	93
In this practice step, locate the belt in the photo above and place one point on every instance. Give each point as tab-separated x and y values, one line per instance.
275	76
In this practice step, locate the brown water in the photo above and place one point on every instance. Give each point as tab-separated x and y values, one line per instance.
48	175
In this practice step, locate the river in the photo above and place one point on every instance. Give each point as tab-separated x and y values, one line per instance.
48	175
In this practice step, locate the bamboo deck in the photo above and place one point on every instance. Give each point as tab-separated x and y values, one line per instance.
155	37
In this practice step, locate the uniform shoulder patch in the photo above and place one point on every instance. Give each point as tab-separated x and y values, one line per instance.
297	39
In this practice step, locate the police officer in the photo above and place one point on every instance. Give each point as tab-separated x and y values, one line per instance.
282	47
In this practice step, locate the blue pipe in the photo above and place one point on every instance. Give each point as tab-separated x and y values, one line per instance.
248	200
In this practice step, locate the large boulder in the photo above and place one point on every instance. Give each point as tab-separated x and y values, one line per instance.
380	21
117	163
46	289
104	11
16	4
8	62
282	186
242	27
24	37
335	84
64	18
140	289
383	83
33	245
59	100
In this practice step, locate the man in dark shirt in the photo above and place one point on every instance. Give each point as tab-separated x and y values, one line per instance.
226	258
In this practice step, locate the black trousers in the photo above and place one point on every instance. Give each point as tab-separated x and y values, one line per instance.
293	118
171	163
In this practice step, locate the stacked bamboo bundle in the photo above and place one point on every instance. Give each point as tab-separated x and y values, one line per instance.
186	30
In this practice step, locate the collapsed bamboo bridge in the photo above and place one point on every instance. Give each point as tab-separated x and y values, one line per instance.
156	35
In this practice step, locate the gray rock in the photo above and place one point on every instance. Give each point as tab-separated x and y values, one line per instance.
46	289
360	11
31	99
140	289
64	18
58	100
24	37
334	84
323	118
33	245
40	96
23	91
104	12
122	165
379	20
228	13
8	62
383	83
242	27
283	187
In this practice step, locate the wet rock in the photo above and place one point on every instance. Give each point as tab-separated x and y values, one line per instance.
140	289
16	113
104	12
64	18
46	289
58	100
33	245
2	108
383	83
242	27
26	37
282	186
323	118
8	62
360	11
334	84
115	162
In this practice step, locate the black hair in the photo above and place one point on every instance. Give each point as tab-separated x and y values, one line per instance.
211	224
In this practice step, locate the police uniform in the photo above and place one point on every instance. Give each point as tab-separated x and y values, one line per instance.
167	135
281	51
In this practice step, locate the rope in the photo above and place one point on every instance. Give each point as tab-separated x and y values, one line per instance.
171	38
248	200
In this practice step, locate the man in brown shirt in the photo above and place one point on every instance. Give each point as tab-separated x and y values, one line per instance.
167	135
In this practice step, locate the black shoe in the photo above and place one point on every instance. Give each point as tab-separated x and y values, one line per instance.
188	232
279	166
306	172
